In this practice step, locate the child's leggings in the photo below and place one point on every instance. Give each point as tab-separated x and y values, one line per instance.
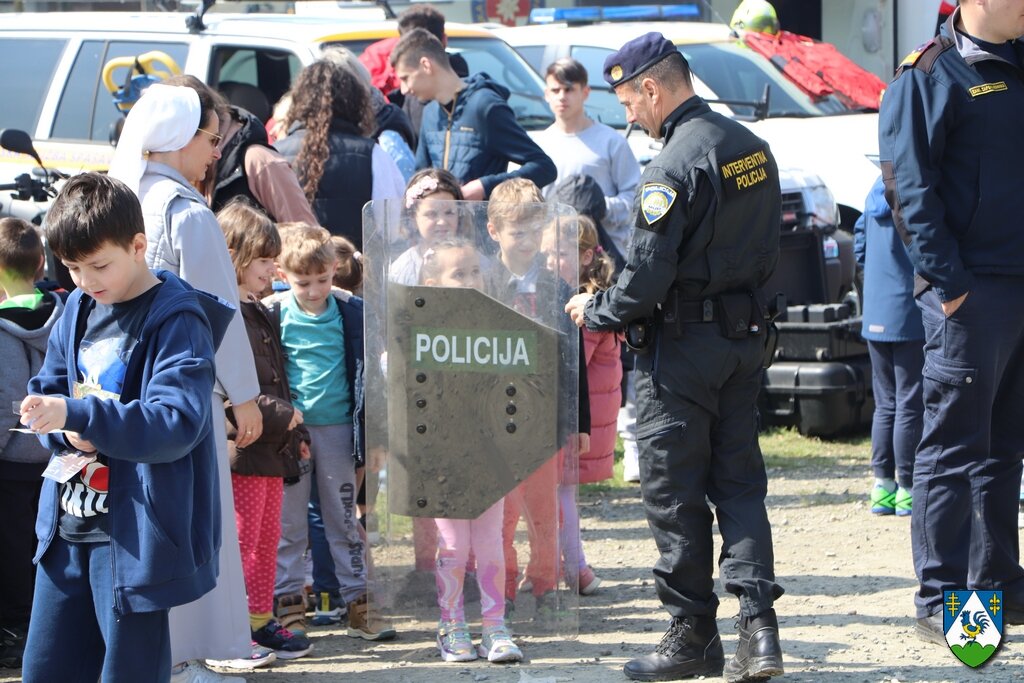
258	516
569	534
455	538
537	499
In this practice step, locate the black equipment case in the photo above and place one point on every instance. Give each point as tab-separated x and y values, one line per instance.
820	381
818	398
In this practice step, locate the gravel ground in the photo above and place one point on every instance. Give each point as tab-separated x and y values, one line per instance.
846	616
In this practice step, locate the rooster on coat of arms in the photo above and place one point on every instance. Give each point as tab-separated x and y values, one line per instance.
972	631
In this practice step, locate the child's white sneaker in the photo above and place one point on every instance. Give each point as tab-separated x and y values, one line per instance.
260	656
194	672
454	642
497	645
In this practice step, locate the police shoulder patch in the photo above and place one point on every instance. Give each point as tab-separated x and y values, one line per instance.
915	54
655	201
924	56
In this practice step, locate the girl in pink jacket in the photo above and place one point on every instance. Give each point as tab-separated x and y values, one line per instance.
604	375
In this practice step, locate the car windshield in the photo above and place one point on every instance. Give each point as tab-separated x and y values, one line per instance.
499	61
735	73
731	72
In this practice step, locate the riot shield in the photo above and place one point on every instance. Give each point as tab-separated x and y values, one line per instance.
472	371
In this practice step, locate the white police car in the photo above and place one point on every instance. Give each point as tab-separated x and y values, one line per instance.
823	137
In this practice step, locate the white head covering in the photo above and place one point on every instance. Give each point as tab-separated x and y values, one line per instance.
164	119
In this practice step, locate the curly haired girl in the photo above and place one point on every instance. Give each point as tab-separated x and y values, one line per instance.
328	144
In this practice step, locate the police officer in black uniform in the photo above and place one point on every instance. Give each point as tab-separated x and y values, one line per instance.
706	239
950	147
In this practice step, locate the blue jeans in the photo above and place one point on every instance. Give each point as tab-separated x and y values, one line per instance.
75	635
324	578
968	468
899	410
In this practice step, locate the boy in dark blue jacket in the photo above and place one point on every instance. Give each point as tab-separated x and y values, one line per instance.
468	129
895	336
126	528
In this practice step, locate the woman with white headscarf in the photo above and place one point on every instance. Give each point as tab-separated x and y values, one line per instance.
168	141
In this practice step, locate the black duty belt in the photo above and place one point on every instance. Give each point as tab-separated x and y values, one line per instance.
703	311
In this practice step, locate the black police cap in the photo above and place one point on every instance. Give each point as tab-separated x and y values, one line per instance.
637	56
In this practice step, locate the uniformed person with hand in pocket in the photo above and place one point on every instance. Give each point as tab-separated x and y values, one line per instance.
707	238
950	143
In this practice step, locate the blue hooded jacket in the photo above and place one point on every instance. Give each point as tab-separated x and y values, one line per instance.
485	137
163	501
890	313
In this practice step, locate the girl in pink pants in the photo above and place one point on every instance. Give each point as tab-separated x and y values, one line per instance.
454	262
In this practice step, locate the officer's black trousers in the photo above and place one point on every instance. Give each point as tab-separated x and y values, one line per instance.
968	467
697	432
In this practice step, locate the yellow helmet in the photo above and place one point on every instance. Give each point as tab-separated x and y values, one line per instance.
755	15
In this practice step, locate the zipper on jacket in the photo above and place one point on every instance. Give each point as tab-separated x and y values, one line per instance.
118	607
113	580
448	132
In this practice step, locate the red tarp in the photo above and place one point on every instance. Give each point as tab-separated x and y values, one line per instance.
817	68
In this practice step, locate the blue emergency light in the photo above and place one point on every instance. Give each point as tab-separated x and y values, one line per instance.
589	15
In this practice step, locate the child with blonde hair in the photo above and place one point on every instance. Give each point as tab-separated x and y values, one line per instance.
258	470
516	216
595	272
322	335
456	263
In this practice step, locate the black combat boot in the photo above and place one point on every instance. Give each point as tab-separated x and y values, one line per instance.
758	654
691	647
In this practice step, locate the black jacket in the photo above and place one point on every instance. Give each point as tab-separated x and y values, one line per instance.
231	180
347	182
707	219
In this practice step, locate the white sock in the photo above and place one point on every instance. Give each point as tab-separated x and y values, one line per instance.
887	484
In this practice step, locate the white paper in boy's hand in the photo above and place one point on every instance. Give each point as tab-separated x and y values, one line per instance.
26	430
66	465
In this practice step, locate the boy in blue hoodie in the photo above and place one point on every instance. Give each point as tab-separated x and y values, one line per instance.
468	129
126	517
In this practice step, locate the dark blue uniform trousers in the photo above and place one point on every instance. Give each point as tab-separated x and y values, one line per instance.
897	422
75	636
697	433
968	466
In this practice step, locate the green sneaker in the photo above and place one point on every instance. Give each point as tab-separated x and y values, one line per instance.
883	502
903	502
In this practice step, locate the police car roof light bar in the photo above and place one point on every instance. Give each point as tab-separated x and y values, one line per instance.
684	11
